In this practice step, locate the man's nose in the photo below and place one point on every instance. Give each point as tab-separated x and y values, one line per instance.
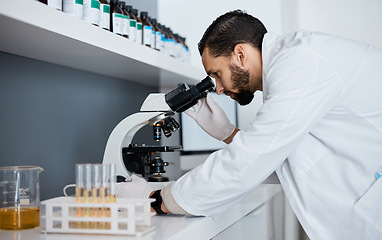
219	88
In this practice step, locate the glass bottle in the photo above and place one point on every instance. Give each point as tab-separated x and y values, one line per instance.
126	20
116	18
91	11
147	30
158	35
139	26
73	7
104	18
133	24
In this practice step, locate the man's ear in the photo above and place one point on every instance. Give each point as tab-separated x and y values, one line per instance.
239	54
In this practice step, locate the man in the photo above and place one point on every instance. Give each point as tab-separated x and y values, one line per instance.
319	129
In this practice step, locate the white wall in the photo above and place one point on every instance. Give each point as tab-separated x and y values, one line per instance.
191	18
355	19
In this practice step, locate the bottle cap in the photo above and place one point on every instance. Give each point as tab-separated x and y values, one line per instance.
144	14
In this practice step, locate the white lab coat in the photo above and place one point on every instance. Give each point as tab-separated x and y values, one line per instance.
320	129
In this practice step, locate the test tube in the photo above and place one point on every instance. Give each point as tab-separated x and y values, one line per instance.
79	182
79	191
112	184
104	194
96	185
105	182
88	189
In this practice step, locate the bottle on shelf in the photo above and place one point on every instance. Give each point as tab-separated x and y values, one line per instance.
147	30
91	11
139	26
133	23
57	4
152	33
116	18
186	51
158	35
73	7
104	17
126	20
165	40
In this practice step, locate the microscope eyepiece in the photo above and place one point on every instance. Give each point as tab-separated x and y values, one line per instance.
184	97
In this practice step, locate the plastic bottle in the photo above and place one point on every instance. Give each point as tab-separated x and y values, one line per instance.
91	11
147	30
133	24
116	18
126	20
139	26
104	17
73	7
57	4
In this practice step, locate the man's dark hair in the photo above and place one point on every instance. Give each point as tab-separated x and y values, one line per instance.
230	29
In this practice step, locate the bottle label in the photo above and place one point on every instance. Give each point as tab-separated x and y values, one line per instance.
153	38
139	33
158	40
73	7
147	31
126	25
139	26
133	30
133	23
104	18
91	11
117	23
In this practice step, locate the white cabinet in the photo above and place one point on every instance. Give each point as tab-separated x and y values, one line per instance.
31	29
264	223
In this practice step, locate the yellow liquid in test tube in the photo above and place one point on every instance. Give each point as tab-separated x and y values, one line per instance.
79	192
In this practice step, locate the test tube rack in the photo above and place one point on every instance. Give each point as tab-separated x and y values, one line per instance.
126	217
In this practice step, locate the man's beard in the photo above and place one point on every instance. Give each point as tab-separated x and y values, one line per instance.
240	81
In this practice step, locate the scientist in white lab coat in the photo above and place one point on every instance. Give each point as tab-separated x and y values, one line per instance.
319	129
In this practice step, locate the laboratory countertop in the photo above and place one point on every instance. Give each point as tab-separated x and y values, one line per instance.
170	227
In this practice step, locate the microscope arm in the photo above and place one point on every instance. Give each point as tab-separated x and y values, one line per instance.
122	135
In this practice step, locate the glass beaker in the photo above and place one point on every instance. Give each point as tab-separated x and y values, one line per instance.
19	197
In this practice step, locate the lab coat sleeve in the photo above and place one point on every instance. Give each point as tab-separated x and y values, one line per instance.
300	88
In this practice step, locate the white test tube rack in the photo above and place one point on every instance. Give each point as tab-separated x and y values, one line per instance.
127	216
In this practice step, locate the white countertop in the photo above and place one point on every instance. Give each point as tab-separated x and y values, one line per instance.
170	227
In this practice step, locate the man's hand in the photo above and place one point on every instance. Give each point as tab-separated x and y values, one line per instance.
211	118
134	187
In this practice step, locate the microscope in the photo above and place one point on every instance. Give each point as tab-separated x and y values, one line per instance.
157	110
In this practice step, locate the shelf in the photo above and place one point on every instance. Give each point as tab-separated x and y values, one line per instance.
31	29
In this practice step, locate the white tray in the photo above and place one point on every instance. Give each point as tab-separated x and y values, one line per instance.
126	216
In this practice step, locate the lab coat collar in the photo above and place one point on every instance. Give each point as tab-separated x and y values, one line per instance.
269	50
